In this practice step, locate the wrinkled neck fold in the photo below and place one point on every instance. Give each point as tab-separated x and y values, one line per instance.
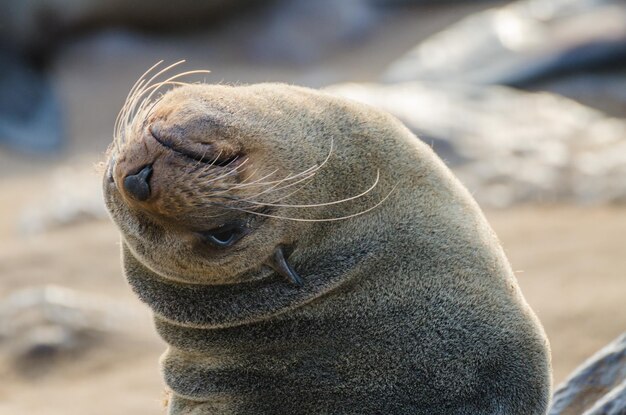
219	306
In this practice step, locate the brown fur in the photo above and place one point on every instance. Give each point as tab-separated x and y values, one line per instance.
408	305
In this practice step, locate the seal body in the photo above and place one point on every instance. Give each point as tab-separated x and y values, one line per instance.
405	302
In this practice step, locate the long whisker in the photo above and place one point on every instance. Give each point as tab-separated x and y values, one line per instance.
335	202
147	104
228	173
272	183
197	163
275	188
312	169
155	87
137	84
141	91
135	105
245	183
143	109
141	78
284	179
124	111
205	170
311	220
283	197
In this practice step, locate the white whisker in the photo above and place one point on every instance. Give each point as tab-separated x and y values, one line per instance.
274	188
229	172
335	202
318	220
135	86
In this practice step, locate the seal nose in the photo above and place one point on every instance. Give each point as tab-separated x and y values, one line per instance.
137	186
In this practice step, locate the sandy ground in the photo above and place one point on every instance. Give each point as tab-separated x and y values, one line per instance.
570	261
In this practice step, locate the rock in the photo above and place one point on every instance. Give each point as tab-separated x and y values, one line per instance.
39	24
41	324
604	89
303	32
597	387
404	3
510	146
30	116
520	42
73	195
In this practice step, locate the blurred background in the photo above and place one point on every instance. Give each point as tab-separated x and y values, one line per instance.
525	102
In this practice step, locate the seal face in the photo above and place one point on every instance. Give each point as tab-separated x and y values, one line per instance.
304	254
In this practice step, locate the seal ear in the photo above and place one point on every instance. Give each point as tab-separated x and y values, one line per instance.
279	264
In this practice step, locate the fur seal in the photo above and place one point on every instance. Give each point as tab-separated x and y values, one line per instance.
305	254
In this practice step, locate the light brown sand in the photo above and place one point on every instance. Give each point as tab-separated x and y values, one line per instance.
571	265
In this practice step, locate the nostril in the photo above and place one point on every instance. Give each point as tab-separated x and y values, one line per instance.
137	185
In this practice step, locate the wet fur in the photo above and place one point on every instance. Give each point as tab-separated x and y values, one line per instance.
410	307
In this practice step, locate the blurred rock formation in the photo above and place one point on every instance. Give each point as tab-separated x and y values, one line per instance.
530	44
39	24
30	116
40	325
519	42
304	31
597	387
30	33
509	146
73	195
600	88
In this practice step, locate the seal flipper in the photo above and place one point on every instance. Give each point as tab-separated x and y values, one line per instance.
279	264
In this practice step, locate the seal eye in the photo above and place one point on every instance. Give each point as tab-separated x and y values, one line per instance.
224	236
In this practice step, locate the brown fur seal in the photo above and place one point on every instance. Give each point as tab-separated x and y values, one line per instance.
304	254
